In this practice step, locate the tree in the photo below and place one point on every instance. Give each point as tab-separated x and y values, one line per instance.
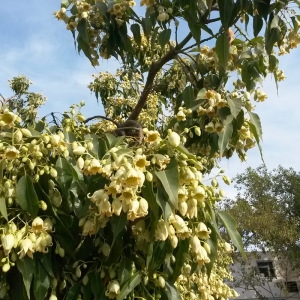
267	208
267	213
117	208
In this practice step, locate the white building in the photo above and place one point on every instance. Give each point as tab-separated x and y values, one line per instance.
265	276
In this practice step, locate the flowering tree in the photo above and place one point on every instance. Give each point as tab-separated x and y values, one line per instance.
115	206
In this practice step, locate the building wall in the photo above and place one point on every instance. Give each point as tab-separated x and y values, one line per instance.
267	275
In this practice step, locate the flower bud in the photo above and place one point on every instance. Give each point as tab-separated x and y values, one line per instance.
174	139
161	282
226	180
5	267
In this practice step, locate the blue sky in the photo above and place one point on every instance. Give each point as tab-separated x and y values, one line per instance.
35	44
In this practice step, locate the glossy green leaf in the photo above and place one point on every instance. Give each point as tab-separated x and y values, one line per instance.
170	292
102	7
26	267
257	24
235	106
188	96
124	270
41	281
26	196
213	244
3	209
226	8
135	29
65	174
253	129
118	224
181	253
74	291
222	49
255	120
157	255
128	287
84	46
231	229
97	285
169	179
147	26
162	200
82	30
164	37
224	138
148	194
65	3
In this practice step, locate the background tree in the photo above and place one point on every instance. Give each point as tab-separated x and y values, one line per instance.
266	210
119	208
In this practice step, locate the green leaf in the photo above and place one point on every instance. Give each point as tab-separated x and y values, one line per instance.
148	194
65	3
225	7
170	292
82	45
102	7
257	139
26	267
164	37
135	29
157	255
224	138
257	25
82	30
170	181
3	209
41	281
125	270
26	196
234	235
181	253
74	291
201	94
188	96
235	106
147	26
162	200
255	120
97	286
128	287
65	174
222	49
118	223
213	244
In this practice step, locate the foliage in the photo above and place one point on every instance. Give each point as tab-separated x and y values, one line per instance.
267	208
268	218
119	209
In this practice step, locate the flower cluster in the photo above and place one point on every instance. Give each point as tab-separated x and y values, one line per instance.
25	241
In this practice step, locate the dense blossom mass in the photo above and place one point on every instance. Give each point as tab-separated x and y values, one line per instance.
124	205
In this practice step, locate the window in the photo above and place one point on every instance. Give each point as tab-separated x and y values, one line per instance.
266	268
291	287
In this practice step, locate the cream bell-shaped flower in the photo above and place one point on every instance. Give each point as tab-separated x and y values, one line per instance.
37	225
132	210
11	152
192	209
8	241
26	248
89	228
199	193
161	231
116	206
202	231
113	289
143	207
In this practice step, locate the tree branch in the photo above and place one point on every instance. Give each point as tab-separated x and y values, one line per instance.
154	69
